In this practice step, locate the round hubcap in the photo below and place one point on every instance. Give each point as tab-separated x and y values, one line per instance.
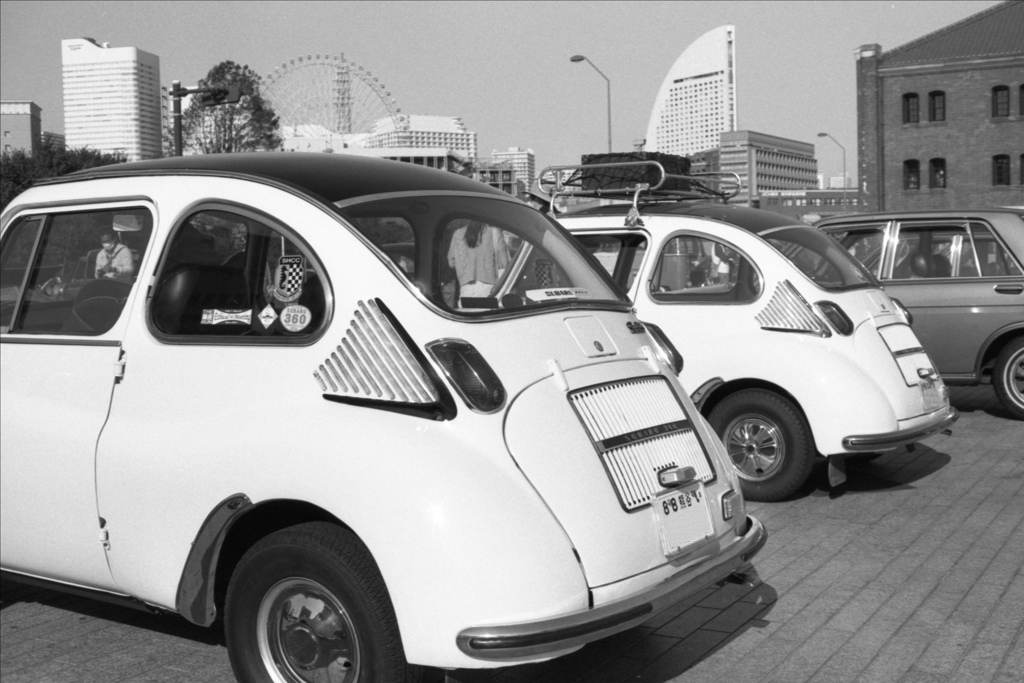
756	447
306	636
1016	383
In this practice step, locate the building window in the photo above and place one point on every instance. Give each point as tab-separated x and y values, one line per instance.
1022	169
937	106
911	175
1020	105
1000	101
1001	169
937	173
911	108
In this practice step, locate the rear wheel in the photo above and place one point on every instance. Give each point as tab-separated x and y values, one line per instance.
1008	377
308	605
768	441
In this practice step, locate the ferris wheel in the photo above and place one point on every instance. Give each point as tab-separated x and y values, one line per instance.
325	94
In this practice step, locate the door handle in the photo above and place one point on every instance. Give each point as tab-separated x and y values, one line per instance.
1009	289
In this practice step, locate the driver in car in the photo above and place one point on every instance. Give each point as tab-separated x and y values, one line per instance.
115	259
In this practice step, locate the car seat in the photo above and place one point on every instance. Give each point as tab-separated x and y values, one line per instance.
184	295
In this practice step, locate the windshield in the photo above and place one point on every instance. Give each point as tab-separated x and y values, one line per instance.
478	256
821	258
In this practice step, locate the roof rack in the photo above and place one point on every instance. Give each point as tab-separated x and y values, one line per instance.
644	181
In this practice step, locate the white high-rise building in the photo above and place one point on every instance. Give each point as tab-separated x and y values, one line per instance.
697	99
111	98
522	161
416	130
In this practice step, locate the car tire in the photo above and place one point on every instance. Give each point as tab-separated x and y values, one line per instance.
768	441
1008	377
308	603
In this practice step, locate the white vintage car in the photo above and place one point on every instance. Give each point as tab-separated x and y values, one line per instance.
273	387
792	349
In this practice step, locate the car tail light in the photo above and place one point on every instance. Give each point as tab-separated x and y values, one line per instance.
667	351
732	505
835	315
788	311
467	370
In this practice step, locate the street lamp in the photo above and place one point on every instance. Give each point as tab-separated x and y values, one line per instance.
581	58
826	135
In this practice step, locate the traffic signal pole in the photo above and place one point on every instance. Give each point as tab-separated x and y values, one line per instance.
211	97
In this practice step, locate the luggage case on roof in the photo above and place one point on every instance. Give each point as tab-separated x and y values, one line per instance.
625	177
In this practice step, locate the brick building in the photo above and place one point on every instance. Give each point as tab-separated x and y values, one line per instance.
940	120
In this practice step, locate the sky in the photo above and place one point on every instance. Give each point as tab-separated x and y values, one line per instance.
503	67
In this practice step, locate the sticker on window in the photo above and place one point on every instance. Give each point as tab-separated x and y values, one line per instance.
557	293
291	271
267	316
295	318
213	316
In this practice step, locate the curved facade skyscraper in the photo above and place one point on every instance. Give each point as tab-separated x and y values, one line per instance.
697	99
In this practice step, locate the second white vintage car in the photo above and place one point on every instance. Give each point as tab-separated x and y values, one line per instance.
792	349
280	388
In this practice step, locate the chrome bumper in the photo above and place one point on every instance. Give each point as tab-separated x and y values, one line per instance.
551	637
888	440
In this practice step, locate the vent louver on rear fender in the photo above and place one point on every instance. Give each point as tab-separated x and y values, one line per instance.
788	311
375	365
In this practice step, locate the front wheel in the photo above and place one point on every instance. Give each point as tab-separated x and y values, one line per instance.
768	441
1008	377
307	604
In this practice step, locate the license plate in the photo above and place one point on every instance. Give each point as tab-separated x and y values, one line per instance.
683	518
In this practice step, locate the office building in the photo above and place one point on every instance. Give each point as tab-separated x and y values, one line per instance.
940	120
21	125
522	161
111	98
416	130
697	100
810	206
766	162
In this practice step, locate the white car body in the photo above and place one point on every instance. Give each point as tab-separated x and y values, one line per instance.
867	390
140	464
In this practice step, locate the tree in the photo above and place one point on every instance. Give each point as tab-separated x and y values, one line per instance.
248	126
19	170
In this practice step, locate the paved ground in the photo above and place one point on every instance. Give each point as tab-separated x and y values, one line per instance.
911	572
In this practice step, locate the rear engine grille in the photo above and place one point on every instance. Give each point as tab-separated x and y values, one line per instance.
373	362
639	429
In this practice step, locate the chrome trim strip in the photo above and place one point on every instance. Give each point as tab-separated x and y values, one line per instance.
64	341
907	352
558	635
873	442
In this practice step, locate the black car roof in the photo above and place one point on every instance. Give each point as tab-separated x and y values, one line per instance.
331	177
752	220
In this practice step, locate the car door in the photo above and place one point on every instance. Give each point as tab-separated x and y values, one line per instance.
960	284
61	330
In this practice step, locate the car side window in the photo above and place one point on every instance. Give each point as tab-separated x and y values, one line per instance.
992	259
225	274
72	273
621	255
946	251
693	268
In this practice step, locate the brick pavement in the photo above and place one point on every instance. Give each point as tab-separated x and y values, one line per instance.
910	572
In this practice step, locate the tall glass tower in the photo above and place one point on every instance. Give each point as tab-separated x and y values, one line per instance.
697	99
111	98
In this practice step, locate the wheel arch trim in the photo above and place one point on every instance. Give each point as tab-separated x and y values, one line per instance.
195	596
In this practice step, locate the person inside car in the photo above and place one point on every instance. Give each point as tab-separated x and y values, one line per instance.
114	260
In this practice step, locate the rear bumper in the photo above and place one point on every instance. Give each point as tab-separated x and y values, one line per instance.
559	635
888	440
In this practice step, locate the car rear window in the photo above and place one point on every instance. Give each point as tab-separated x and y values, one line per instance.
821	258
481	256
